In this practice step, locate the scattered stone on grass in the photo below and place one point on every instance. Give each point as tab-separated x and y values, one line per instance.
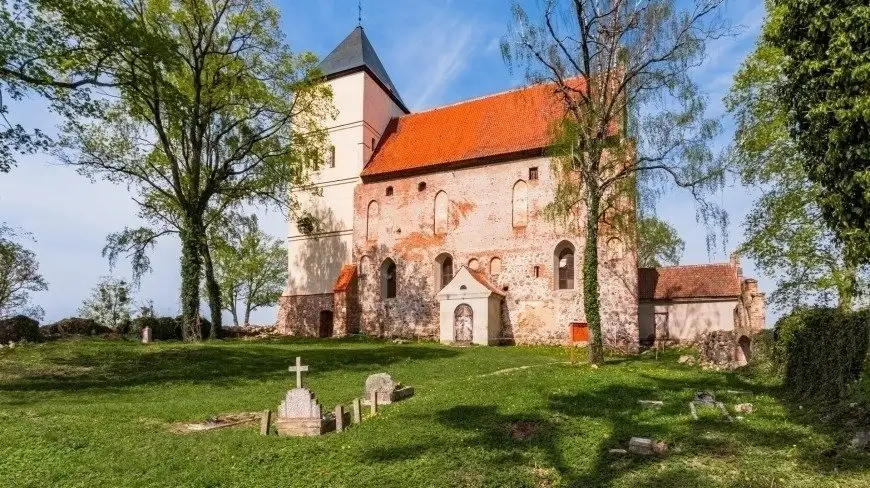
686	360
743	408
618	451
651	403
218	422
861	440
707	399
645	446
523	429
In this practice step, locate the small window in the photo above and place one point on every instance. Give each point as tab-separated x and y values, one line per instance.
331	157
533	173
463	287
495	266
536	272
473	264
373	144
389	191
421	186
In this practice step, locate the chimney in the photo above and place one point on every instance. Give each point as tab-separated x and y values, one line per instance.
734	259
750	285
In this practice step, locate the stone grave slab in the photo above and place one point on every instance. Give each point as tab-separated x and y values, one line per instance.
388	389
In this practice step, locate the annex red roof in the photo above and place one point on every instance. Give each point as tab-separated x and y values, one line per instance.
512	122
719	280
481	278
345	277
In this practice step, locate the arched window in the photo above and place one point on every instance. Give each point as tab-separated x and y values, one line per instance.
564	265
473	264
388	279
615	250
421	186
495	266
443	270
441	213
372	220
520	204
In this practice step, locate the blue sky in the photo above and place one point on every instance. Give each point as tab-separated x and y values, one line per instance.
436	52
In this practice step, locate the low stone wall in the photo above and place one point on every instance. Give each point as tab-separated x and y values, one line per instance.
300	315
717	348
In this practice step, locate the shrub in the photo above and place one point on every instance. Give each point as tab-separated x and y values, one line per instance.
768	357
19	327
825	352
165	328
75	326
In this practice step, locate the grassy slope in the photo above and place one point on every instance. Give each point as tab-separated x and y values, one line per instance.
95	413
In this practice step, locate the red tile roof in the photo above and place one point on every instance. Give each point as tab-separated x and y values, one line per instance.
345	277
512	122
717	280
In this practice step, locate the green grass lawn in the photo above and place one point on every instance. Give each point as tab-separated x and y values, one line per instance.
96	413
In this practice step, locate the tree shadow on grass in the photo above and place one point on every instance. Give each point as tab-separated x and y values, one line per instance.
507	439
220	364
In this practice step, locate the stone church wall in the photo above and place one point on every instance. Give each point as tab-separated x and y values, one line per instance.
482	209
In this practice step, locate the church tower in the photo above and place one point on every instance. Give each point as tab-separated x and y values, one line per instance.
320	238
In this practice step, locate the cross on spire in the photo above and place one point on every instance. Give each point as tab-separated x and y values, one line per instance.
298	369
359	17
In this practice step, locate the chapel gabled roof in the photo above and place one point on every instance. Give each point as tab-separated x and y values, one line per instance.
355	53
716	280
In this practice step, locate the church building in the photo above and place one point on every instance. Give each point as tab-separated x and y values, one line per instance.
430	225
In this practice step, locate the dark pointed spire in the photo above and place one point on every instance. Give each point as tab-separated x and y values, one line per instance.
355	53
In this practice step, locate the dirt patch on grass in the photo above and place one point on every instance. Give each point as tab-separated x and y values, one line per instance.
218	422
523	429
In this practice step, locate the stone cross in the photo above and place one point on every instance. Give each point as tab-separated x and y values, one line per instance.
298	369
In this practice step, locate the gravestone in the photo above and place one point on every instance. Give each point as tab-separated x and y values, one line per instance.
357	411
300	414
339	418
146	335
373	402
389	390
265	422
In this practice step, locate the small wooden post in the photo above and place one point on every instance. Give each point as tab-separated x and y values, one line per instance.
265	422
374	403
339	418
357	410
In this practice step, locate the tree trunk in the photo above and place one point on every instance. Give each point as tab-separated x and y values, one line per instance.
191	272
214	293
590	278
247	312
846	283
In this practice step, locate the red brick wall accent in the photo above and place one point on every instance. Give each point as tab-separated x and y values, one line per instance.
481	227
299	315
345	306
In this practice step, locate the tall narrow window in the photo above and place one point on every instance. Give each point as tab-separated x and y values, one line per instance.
564	265
373	144
372	220
441	213
533	173
443	270
520	204
388	279
331	157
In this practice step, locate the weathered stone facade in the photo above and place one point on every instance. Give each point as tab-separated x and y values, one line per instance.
482	226
299	315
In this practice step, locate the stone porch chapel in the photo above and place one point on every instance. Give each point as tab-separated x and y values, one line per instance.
429	224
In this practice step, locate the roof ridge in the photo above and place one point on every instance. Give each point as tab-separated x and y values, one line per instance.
475	99
699	265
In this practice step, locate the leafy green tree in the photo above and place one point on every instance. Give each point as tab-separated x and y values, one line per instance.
826	87
622	68
59	50
250	267
658	243
110	303
785	232
232	117
19	277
